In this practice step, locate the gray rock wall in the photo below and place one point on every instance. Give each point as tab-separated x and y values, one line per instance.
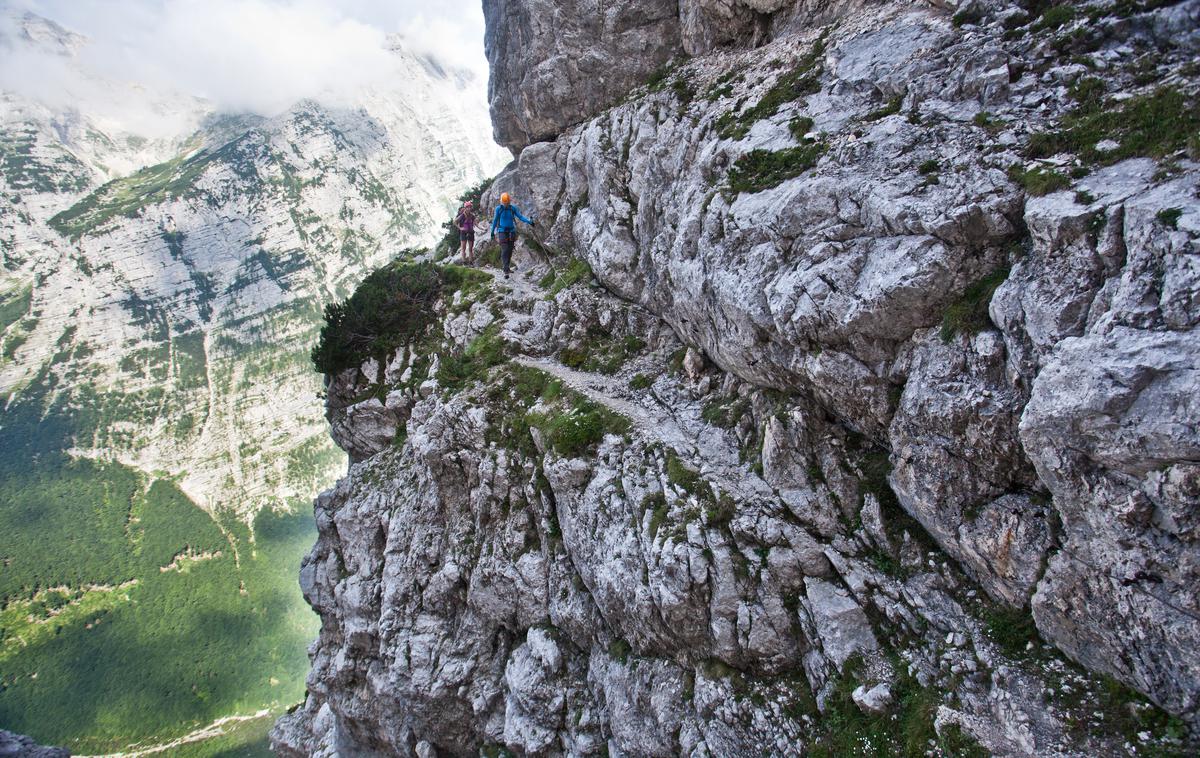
921	407
554	64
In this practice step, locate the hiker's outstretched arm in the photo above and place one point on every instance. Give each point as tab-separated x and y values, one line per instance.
518	214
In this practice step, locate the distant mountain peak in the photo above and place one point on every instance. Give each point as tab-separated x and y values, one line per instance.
40	32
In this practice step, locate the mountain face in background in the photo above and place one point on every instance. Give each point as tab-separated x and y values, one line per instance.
158	299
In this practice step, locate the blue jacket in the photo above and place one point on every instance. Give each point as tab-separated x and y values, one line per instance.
505	218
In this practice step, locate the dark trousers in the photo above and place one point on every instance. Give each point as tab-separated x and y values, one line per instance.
506	240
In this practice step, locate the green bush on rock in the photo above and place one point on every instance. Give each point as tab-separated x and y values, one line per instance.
758	170
393	305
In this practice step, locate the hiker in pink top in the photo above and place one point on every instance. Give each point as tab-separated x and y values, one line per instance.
465	221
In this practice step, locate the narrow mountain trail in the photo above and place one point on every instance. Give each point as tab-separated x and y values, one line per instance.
661	413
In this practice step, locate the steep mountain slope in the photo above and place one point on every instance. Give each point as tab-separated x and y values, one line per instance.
875	433
158	299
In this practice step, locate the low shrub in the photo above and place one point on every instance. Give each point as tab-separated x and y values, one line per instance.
1055	17
457	372
758	170
906	729
800	126
890	109
1039	181
969	314
580	428
392	306
1169	217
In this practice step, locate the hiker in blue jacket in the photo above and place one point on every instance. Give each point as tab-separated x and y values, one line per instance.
505	223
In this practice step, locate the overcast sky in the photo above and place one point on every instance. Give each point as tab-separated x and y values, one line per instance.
247	55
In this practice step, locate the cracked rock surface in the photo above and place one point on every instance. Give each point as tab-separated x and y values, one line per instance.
880	423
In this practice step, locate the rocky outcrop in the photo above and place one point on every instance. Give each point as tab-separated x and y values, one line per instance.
909	403
549	73
20	746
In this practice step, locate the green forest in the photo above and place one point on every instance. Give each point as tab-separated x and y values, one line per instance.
129	615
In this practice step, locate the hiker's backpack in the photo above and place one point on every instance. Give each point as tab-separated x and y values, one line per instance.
511	219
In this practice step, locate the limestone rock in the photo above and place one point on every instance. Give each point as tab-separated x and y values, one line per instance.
548	73
873	700
924	393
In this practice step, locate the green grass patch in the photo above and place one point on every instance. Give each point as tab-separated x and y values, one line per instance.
576	271
717	510
683	90
801	80
1055	17
800	126
656	504
758	170
14	305
675	363
1129	713
725	412
605	355
687	479
969	314
571	424
906	729
457	372
1154	126
580	428
1012	629
890	109
640	382
1169	217
1038	181
985	120
930	166
959	744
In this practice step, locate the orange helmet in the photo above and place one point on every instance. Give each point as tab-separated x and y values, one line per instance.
505	199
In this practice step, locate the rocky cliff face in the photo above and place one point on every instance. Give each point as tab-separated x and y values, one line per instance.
875	430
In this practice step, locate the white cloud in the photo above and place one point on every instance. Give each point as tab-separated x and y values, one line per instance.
258	56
